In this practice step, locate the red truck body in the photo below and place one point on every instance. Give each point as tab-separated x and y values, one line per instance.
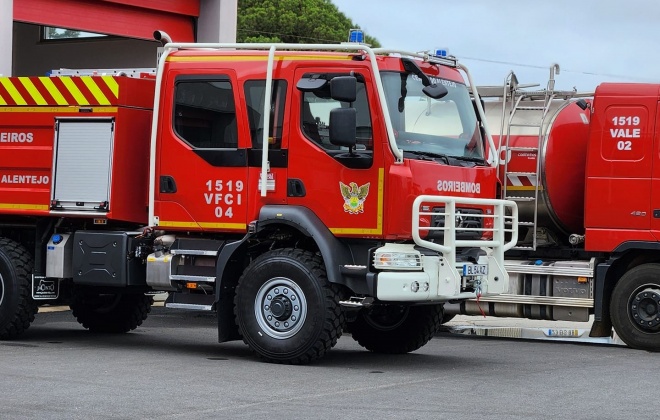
277	188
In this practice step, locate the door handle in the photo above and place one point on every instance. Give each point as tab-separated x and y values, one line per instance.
167	184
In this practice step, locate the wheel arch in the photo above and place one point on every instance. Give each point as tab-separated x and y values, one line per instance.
624	258
302	225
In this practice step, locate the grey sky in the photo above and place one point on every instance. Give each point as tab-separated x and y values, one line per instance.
592	40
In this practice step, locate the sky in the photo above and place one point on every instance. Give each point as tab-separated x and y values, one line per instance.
592	41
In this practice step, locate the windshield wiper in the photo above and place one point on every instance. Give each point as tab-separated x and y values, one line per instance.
470	159
430	155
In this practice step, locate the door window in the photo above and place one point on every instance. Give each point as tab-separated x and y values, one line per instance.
254	98
205	115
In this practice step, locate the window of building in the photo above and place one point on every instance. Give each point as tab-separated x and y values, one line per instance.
50	33
254	97
204	113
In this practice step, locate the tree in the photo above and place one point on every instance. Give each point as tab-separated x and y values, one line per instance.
294	21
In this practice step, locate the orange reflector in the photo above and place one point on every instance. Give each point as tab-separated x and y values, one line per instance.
582	280
191	285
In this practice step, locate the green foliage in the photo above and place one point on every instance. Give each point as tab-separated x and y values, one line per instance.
294	21
60	33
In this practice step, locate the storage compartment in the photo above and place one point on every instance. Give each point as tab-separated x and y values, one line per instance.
107	259
83	164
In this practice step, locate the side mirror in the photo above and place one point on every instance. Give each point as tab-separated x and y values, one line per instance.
435	91
343	88
343	122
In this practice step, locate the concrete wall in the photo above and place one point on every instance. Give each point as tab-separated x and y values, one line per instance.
34	58
6	18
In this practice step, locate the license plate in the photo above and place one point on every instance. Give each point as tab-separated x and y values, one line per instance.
562	332
475	270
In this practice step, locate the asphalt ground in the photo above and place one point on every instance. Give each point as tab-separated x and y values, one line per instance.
172	367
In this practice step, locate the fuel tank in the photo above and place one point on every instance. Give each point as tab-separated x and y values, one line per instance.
557	143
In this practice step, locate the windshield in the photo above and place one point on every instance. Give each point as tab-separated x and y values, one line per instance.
426	126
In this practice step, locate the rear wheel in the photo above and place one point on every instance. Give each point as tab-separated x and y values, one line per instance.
17	309
286	310
110	313
635	307
395	329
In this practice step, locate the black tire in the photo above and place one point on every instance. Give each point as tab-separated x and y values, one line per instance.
394	329
635	307
447	317
303	320
17	308
110	313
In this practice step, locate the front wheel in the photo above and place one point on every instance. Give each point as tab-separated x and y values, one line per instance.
635	307
286	310
395	329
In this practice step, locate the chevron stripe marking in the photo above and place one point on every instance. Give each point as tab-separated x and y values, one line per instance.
91	85
73	89
32	90
52	89
13	92
112	84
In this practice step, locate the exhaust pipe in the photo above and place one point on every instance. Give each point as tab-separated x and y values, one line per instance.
162	36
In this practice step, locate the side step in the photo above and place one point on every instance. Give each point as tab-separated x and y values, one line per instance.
190	301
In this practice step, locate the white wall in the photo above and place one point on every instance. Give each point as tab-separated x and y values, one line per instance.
217	21
34	58
6	18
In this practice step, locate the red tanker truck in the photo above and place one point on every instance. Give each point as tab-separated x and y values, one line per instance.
585	173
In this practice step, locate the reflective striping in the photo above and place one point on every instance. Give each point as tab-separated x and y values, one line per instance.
258	58
54	92
12	91
112	85
13	206
59	91
208	225
32	90
98	95
73	89
60	109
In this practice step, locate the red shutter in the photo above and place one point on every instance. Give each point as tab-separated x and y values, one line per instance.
114	17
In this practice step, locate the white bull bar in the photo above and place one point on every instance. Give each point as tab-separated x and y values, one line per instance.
440	277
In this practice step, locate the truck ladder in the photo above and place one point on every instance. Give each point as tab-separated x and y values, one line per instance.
514	101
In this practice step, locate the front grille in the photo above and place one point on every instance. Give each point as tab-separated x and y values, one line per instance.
466	218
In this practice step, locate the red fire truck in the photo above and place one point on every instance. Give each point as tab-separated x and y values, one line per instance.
296	190
584	171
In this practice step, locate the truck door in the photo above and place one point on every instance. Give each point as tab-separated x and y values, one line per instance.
202	166
344	189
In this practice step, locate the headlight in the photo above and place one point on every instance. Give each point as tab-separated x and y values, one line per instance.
388	260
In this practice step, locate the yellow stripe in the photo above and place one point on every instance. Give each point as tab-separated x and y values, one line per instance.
112	84
54	92
202	224
59	109
91	85
12	91
32	90
12	206
379	217
73	89
2	101
258	58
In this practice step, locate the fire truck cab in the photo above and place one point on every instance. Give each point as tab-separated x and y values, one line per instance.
297	190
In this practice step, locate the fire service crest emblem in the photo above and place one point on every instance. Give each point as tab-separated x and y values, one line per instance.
354	196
